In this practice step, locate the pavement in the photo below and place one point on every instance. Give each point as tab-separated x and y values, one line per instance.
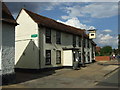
112	81
112	65
112	62
85	77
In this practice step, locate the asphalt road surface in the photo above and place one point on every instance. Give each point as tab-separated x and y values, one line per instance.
111	81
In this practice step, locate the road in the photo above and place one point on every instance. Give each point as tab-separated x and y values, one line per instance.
111	81
85	77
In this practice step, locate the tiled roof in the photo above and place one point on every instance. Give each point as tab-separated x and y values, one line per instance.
7	16
50	23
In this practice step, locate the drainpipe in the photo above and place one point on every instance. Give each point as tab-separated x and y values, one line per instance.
39	53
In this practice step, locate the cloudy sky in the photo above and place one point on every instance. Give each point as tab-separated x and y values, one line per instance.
102	16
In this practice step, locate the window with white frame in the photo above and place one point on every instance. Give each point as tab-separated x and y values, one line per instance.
48	57
74	41
58	37
48	35
58	57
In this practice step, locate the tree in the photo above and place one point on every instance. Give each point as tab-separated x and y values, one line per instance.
116	51
106	51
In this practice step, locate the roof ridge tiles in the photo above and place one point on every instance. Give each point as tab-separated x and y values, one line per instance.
50	23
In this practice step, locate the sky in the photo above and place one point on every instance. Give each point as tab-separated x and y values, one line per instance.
102	16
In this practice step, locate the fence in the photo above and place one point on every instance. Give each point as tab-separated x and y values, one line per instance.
102	58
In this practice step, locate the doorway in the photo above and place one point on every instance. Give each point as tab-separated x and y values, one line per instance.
67	58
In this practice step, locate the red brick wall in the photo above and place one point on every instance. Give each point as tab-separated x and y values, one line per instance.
102	58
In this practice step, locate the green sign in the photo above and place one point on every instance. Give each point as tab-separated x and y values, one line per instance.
34	35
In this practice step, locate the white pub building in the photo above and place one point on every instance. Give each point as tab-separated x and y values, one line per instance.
41	42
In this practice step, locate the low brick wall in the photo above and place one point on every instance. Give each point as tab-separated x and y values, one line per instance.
102	58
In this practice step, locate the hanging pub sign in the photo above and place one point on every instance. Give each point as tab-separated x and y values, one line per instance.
92	34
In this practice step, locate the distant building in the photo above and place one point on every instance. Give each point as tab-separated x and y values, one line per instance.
42	42
98	50
7	45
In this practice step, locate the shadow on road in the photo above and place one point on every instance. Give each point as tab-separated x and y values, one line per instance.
27	75
111	81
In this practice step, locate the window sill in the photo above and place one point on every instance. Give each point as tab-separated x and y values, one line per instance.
47	64
48	43
58	43
58	63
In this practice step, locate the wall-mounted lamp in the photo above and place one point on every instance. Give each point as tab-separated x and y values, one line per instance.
74	52
79	52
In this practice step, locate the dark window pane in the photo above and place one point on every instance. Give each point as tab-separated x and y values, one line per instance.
58	57
84	42
58	37
79	42
48	35
48	57
74	41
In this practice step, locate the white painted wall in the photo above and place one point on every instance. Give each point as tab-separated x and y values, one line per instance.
26	55
0	44
8	48
66	42
90	42
86	51
94	52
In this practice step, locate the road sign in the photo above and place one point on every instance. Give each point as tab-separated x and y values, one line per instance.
34	35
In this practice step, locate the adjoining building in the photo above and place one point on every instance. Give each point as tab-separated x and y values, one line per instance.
98	50
42	42
7	45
